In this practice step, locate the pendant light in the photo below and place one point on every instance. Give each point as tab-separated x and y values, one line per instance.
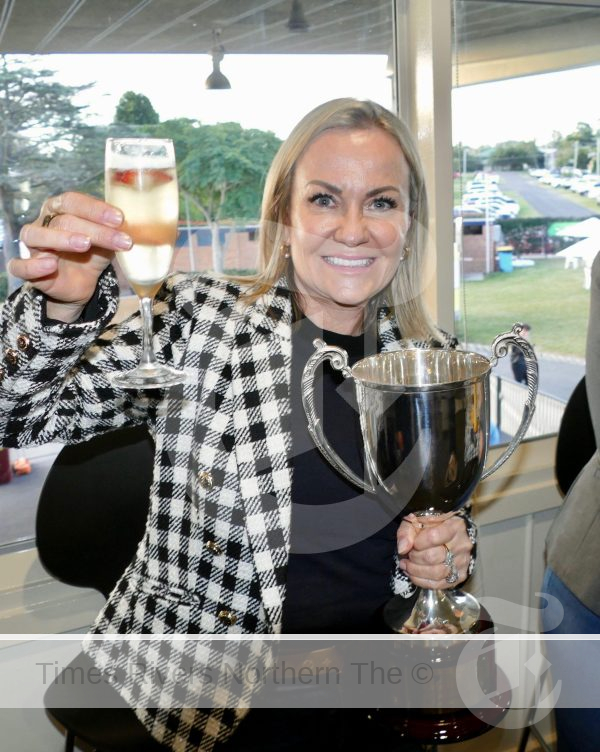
297	20
217	80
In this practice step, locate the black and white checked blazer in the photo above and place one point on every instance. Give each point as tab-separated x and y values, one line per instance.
214	555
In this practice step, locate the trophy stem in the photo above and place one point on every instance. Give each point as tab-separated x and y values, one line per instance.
435	611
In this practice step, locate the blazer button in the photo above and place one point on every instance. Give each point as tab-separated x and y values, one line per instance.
23	342
227	617
206	479
12	356
214	548
2	373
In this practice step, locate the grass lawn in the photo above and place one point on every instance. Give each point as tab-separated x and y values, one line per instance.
550	298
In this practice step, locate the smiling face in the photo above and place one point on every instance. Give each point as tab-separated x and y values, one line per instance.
347	224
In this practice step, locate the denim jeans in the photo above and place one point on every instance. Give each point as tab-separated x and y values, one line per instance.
577	728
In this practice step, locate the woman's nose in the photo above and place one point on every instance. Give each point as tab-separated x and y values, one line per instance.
352	229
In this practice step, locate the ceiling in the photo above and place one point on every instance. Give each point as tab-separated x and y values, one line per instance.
254	26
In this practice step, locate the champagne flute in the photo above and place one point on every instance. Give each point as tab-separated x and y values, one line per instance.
141	179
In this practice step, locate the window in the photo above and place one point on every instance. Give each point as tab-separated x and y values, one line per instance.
162	52
526	152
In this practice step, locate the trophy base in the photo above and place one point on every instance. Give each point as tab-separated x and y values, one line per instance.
148	376
435	612
446	726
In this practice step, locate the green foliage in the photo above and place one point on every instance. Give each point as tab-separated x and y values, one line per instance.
515	155
135	109
467	157
223	168
509	155
33	159
579	146
533	234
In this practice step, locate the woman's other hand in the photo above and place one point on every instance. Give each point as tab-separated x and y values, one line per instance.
71	243
423	545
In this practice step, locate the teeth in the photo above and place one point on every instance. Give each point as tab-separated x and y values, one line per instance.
337	261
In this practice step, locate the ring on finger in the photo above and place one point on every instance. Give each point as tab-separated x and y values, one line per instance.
452	576
449	558
48	218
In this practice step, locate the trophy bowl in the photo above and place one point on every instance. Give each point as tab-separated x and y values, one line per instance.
424	418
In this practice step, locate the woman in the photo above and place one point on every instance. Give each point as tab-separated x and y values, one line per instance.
249	530
571	577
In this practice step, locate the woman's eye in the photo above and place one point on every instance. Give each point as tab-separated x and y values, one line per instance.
321	199
384	202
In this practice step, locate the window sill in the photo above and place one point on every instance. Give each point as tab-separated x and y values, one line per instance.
32	602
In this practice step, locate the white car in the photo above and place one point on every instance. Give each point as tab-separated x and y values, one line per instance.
499	205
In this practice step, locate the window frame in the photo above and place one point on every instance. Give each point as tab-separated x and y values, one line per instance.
31	601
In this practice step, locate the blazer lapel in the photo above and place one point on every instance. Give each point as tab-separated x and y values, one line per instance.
261	368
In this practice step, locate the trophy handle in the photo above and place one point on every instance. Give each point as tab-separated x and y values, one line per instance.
339	361
499	349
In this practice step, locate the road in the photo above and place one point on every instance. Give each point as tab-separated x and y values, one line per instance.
547	201
558	376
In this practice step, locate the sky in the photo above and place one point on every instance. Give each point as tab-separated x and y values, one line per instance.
272	92
529	108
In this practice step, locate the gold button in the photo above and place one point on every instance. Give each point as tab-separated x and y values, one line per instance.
23	342
227	617
214	548
206	480
2	373
12	356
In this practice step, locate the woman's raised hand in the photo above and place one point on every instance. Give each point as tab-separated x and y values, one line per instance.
71	243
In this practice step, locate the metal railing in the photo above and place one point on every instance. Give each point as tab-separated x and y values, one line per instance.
506	404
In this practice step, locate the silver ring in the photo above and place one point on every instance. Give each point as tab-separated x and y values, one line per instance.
48	218
449	562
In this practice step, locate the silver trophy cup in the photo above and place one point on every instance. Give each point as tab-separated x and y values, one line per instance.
424	418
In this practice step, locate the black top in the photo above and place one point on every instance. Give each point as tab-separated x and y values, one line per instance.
342	540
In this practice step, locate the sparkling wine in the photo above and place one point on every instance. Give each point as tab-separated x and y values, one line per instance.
148	198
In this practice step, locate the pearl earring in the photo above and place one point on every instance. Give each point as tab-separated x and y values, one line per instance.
285	250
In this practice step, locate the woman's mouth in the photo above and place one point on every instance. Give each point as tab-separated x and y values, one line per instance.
348	262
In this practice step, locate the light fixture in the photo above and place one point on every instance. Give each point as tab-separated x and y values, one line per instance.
217	80
297	20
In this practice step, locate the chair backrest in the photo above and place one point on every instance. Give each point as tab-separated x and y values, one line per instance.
93	508
576	440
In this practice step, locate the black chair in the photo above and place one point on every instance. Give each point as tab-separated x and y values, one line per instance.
576	440
91	516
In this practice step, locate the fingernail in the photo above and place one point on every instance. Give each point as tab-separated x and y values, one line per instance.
403	545
55	204
113	217
47	264
123	241
402	564
80	242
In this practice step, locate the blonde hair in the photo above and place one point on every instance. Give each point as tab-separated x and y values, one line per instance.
403	294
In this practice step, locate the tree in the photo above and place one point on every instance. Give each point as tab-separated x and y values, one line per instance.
466	159
222	170
39	126
514	155
577	148
135	109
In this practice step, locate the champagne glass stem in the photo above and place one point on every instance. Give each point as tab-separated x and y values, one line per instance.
147	358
